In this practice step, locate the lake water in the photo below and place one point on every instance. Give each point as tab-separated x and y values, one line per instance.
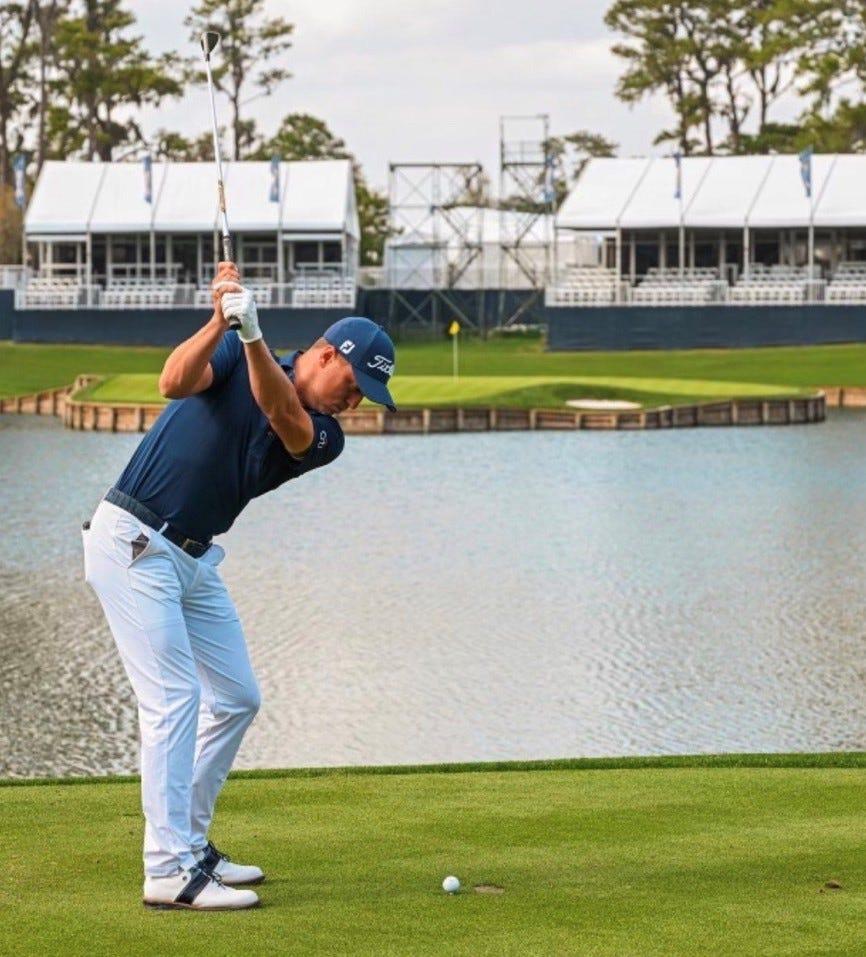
459	597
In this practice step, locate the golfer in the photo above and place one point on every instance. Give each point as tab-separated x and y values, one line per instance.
244	422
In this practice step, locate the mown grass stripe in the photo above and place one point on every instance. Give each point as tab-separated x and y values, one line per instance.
829	759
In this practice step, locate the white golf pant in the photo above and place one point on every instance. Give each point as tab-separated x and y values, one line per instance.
184	652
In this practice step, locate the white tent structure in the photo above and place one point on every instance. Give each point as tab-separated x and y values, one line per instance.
736	210
738	229
105	224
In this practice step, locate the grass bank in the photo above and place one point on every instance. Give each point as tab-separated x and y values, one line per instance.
511	391
499	371
643	856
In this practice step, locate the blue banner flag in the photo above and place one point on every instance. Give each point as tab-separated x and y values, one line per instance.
148	178
678	187
806	170
275	179
19	165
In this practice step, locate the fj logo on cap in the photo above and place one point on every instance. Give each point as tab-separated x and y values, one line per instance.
380	362
347	347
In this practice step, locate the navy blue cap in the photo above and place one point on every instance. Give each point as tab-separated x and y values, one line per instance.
369	350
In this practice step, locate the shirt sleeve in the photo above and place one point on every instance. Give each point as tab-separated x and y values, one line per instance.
327	444
226	357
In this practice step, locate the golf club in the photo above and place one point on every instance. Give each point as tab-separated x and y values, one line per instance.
209	41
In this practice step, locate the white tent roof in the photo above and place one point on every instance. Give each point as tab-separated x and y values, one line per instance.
119	205
602	193
842	199
187	201
315	197
728	191
720	192
782	203
63	198
655	203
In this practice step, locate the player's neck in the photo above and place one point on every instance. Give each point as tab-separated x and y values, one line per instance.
302	370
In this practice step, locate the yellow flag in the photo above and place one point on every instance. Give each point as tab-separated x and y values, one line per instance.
454	328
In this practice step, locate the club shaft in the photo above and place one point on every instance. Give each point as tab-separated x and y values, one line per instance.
218	158
228	255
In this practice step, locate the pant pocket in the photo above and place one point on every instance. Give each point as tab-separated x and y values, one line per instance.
132	540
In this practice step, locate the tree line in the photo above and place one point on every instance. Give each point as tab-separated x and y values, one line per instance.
725	67
74	74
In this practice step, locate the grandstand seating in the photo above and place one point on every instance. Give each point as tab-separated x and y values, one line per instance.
43	292
668	286
848	283
771	284
139	294
584	286
324	290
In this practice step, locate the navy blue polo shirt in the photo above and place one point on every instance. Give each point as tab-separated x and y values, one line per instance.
207	455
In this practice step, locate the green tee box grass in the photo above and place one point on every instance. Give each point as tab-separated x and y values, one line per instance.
637	858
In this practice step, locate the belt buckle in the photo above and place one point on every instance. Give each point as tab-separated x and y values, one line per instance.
188	541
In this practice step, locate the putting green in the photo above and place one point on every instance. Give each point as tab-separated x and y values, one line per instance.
26	368
523	391
635	860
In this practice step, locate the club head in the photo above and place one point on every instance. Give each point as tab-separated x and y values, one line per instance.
209	41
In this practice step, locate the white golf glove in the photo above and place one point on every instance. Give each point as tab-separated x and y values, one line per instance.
242	306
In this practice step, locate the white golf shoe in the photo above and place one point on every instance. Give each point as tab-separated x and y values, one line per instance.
224	868
195	889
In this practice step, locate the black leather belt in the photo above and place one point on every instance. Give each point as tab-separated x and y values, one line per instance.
152	520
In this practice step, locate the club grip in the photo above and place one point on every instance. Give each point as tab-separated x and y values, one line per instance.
228	257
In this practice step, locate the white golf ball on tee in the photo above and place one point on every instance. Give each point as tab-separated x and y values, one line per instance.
451	885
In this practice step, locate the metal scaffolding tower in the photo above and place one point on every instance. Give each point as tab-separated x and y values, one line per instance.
435	218
527	204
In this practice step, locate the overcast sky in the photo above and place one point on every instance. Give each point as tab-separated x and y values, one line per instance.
404	80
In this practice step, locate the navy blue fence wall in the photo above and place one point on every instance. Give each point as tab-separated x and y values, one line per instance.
702	327
7	304
586	328
285	328
483	309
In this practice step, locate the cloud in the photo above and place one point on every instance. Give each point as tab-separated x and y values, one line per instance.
405	80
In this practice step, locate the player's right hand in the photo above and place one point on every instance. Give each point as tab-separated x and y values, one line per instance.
242	307
227	279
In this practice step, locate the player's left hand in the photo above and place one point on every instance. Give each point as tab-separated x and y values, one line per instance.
227	279
242	306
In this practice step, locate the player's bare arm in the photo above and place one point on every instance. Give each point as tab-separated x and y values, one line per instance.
187	370
276	397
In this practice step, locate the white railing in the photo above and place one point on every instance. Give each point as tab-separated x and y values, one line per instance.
139	295
762	285
848	283
14	276
330	290
56	294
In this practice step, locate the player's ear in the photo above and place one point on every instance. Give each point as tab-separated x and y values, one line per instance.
327	355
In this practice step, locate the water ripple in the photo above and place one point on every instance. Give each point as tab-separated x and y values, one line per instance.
468	598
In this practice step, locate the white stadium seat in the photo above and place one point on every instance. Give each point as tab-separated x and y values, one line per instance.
848	283
771	284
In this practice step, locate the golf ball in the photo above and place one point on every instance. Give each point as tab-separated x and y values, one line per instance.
451	885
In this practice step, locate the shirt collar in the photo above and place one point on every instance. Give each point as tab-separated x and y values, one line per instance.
288	362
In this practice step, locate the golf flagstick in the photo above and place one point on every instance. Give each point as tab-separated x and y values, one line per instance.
209	41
